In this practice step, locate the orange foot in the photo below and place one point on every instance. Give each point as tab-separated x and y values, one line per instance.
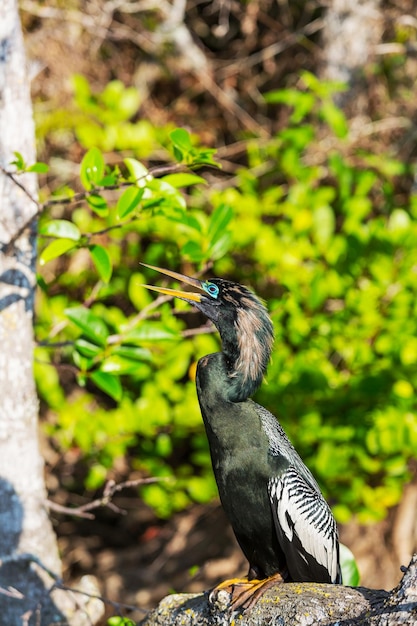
241	593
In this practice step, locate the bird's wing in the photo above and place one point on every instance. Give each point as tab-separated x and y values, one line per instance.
305	527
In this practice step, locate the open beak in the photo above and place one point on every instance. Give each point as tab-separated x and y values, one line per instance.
185	295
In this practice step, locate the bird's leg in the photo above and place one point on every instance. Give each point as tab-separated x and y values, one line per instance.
243	592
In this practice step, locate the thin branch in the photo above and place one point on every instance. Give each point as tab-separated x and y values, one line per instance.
110	489
154	172
54	344
116	605
58	582
11	592
207	329
12	176
141	316
26	556
272	50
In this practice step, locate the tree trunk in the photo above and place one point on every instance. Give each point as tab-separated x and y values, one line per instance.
25	526
352	30
298	604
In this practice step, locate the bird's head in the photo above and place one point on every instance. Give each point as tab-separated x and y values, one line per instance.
241	318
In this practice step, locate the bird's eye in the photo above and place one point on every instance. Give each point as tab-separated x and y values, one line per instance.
211	289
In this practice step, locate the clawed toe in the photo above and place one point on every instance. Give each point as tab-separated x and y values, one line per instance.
240	594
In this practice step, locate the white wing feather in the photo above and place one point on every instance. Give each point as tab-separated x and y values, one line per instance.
302	511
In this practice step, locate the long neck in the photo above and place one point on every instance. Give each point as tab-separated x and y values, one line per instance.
246	349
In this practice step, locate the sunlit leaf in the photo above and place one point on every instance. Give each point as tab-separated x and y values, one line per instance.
102	262
138	172
134	353
160	193
96	475
220	219
181	139
55	249
203	156
350	571
92	326
60	228
38	168
323	224
335	118
193	251
148	331
116	364
86	348
129	201
109	384
220	246
92	168
120	621
19	161
184	179
98	204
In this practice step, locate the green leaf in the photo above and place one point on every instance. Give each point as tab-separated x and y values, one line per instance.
109	384
19	162
129	201
133	353
183	180
350	571
161	194
96	476
60	228
181	139
38	168
149	332
42	284
203	156
92	326
83	363
302	102
335	118
220	246
116	620
138	172
102	262
56	249
92	168
323	224
86	348
220	219
81	87
118	365
193	251
98	204
200	488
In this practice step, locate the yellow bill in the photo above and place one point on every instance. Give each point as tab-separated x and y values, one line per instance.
187	295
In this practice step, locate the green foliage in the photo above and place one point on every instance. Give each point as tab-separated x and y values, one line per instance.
117	620
185	152
21	166
341	253
323	235
350	572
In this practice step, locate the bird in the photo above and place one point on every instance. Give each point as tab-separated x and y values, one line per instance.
279	516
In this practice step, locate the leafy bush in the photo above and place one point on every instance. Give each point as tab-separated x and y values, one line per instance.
314	225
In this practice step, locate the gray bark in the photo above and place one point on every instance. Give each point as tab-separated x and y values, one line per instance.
25	526
298	604
25	523
351	31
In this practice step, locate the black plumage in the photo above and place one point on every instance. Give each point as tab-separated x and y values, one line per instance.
278	514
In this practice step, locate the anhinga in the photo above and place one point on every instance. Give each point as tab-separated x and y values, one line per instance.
282	522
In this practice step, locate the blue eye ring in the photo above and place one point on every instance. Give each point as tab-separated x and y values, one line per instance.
211	289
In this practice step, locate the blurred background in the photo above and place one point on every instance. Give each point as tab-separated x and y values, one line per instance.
311	107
